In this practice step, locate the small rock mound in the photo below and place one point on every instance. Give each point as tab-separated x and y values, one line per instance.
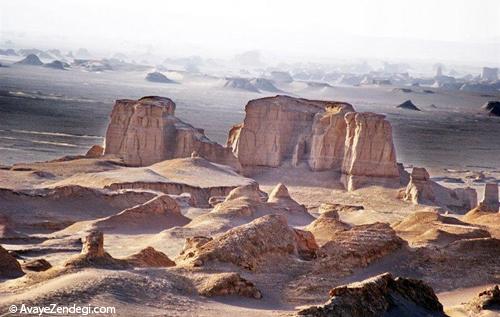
492	108
280	196
9	267
95	151
486	300
150	257
382	295
408	105
223	284
93	254
158	77
358	247
326	226
240	83
264	84
31	59
37	265
248	246
55	65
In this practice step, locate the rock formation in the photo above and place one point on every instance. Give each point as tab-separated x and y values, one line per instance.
145	131
326	226
223	284
264	84
95	151
488	299
56	65
158	77
31	59
9	267
240	83
408	105
149	257
492	108
325	135
37	265
490	201
382	295
249	246
422	190
358	247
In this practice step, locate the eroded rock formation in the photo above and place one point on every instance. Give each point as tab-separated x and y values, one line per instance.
149	257
263	240
9	267
490	201
325	135
382	295
145	131
223	284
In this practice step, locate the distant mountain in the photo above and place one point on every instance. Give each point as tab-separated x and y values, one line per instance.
408	105
158	77
31	59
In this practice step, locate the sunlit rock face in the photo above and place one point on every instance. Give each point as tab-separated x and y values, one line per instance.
145	131
324	135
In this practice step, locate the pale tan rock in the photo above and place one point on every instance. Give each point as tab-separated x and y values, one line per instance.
327	135
145	131
224	284
490	201
249	246
419	189
326	226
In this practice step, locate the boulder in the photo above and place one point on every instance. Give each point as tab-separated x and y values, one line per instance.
382	295
9	267
492	108
224	284
37	265
490	201
149	257
265	240
325	135
145	131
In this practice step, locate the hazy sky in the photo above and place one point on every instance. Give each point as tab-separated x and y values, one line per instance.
429	29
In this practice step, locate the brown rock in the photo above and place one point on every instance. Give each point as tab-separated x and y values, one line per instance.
250	245
223	284
37	265
9	267
488	299
149	257
145	131
381	295
326	226
358	247
95	151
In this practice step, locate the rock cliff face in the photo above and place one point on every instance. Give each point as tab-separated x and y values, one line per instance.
322	134
145	131
490	201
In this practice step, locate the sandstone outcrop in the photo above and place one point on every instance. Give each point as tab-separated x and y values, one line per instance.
93	254
326	226
268	239
145	131
382	295
224	284
429	227
9	267
422	190
358	247
149	257
490	201
325	135
246	203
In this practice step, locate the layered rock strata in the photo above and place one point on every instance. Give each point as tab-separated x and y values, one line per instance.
146	131
324	135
